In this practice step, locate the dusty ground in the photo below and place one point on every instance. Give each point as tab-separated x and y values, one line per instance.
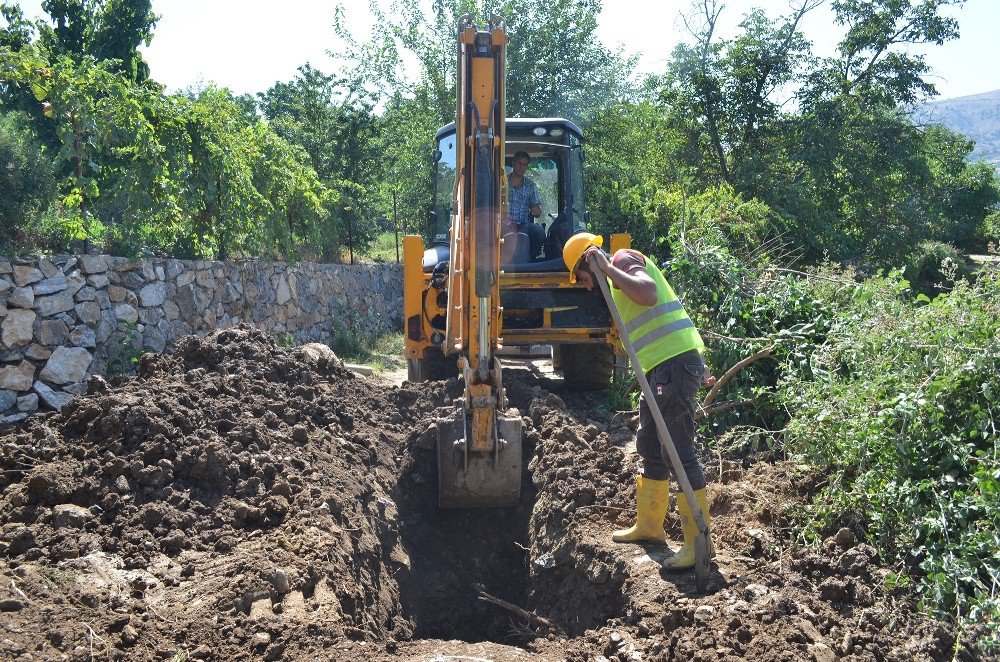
241	501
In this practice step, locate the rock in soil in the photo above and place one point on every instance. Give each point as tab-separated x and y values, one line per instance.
241	501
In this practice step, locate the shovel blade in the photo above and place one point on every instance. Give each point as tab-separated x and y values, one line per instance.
702	562
481	480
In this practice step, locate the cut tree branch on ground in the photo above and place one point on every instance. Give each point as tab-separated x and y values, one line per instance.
529	616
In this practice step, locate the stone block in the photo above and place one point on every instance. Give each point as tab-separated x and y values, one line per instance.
104	330
37	352
5	267
26	275
28	402
126	313
170	310
186	278
54	304
76	388
174	269
148	270
283	292
67	364
47	266
117	294
160	273
15	418
98	281
7	400
193	300
205	279
150	316
154	340
57	283
122	264
74	282
93	264
83	336
133	280
51	398
53	332
86	293
17	327
89	312
153	294
5	285
17	377
103	300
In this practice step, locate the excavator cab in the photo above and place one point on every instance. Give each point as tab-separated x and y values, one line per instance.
555	146
480	285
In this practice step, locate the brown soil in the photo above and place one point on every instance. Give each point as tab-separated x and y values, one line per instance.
240	501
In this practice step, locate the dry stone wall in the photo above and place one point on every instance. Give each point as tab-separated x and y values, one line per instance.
66	318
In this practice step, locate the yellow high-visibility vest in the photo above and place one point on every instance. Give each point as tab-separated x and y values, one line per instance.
661	331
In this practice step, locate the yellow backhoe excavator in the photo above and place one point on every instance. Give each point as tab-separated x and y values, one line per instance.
477	290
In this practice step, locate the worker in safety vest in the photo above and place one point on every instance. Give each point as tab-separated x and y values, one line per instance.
670	352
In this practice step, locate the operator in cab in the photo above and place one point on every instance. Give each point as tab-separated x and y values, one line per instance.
525	204
670	352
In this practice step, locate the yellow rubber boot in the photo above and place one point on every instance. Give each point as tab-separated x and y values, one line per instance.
684	558
651	499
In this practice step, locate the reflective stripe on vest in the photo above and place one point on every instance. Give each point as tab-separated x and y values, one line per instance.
661	331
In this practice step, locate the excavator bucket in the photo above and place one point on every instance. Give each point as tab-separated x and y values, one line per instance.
468	479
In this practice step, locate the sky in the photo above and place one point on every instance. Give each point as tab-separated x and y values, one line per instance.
248	45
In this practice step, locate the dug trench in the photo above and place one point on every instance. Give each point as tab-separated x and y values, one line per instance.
237	500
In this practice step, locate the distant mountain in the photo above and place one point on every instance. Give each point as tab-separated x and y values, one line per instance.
977	116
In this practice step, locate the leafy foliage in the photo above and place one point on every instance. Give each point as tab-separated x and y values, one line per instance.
899	402
27	180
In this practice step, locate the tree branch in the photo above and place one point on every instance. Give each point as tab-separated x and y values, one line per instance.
529	616
731	372
725	406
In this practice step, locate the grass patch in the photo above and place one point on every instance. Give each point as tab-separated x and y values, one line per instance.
354	342
383	248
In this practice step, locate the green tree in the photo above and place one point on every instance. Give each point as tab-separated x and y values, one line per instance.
18	31
336	125
962	193
102	29
27	181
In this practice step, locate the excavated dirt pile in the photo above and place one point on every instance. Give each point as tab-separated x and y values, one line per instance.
236	500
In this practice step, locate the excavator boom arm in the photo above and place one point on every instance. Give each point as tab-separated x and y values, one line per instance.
479	450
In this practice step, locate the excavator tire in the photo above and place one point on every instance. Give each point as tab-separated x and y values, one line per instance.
434	366
585	367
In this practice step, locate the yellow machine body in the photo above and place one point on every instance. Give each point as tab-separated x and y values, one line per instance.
465	302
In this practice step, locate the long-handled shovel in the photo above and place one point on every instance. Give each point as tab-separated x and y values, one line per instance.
701	554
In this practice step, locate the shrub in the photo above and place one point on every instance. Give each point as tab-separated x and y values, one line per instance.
900	407
934	266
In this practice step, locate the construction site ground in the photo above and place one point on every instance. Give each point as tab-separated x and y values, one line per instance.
240	501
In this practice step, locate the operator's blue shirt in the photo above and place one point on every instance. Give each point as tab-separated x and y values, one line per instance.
522	199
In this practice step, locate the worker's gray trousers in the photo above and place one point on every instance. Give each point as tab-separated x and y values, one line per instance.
675	384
